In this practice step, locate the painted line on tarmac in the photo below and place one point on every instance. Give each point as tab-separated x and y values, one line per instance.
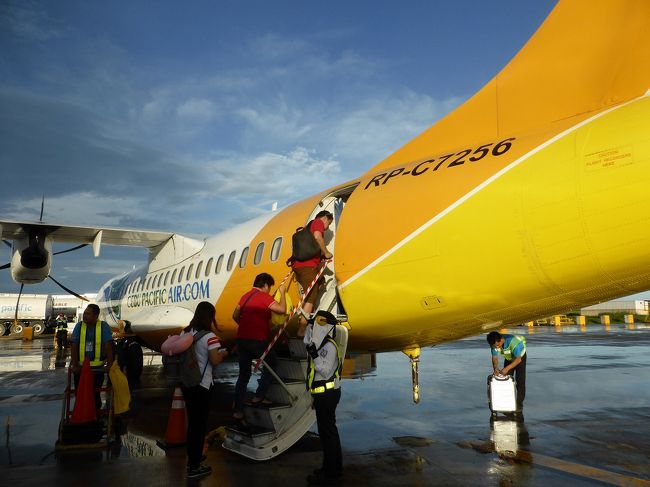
580	470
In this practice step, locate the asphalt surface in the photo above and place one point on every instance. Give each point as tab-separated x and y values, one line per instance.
586	420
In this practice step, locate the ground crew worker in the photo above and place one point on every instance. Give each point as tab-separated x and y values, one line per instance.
307	270
324	384
91	338
61	333
513	349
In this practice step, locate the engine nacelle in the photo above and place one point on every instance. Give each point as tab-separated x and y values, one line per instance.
31	259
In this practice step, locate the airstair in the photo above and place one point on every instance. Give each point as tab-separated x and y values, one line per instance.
274	428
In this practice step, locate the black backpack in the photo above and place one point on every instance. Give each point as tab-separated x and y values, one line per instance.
303	244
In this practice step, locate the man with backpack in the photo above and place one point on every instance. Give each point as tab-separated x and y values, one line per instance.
253	314
306	268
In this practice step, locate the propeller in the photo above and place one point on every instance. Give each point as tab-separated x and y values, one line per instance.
22	285
68	290
72	249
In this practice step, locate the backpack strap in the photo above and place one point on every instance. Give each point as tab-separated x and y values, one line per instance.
196	338
241	308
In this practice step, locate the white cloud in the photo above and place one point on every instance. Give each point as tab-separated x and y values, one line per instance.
196	110
273	176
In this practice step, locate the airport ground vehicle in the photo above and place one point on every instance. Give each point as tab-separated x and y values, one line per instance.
34	310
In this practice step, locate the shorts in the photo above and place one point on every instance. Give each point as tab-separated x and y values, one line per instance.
304	276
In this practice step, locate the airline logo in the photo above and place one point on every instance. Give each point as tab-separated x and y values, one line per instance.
192	291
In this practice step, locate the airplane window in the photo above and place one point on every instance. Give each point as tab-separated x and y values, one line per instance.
180	274
173	277
231	260
166	278
189	272
198	270
208	267
217	269
243	258
275	249
258	253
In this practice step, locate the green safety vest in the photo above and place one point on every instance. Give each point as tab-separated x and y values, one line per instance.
332	382
97	361
508	352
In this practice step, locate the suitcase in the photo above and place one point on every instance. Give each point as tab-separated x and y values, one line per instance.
502	394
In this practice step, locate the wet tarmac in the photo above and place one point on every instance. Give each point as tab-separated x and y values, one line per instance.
587	420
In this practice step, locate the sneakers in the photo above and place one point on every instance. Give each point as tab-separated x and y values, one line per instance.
198	472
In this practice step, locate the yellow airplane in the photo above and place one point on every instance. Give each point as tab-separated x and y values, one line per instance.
526	201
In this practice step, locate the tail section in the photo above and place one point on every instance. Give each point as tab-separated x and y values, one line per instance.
587	56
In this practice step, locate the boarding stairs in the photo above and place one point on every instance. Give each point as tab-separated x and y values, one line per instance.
274	428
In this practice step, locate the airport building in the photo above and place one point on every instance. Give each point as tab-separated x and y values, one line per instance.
635	307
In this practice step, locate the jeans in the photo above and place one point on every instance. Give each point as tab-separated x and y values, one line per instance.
249	350
197	405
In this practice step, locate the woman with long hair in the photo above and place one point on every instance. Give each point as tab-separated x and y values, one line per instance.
197	399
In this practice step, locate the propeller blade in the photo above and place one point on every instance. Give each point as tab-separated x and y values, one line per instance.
70	250
69	290
6	266
7	243
17	303
42	208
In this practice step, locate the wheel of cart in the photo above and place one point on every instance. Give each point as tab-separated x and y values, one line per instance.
96	434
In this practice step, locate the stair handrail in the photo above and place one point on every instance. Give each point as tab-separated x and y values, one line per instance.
293	312
293	397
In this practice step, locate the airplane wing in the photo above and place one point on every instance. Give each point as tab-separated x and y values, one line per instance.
12	230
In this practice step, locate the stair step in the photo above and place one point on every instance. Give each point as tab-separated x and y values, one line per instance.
268	416
297	348
252	435
291	368
276	392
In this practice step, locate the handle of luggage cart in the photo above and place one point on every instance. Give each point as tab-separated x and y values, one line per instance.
293	312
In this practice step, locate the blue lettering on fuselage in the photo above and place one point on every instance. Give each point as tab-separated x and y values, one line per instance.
175	294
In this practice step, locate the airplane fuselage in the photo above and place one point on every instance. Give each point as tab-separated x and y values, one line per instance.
498	231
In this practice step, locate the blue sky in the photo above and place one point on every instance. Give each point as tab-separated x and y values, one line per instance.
195	116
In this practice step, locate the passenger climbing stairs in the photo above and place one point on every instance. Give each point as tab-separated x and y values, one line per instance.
274	428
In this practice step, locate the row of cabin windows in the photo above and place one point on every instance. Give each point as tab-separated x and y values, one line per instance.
177	276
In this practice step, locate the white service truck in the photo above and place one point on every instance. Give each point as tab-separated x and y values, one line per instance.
34	310
71	307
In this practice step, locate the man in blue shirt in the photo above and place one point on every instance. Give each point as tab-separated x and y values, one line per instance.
91	338
513	349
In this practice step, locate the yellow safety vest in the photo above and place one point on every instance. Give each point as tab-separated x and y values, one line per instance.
331	383
98	344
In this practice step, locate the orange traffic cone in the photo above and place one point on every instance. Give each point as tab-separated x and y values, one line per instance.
176	434
84	405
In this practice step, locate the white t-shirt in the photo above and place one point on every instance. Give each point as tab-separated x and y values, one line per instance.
209	341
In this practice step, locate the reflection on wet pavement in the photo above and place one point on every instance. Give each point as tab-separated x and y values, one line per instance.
586	406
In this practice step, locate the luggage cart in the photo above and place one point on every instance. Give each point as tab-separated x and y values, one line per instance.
85	436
